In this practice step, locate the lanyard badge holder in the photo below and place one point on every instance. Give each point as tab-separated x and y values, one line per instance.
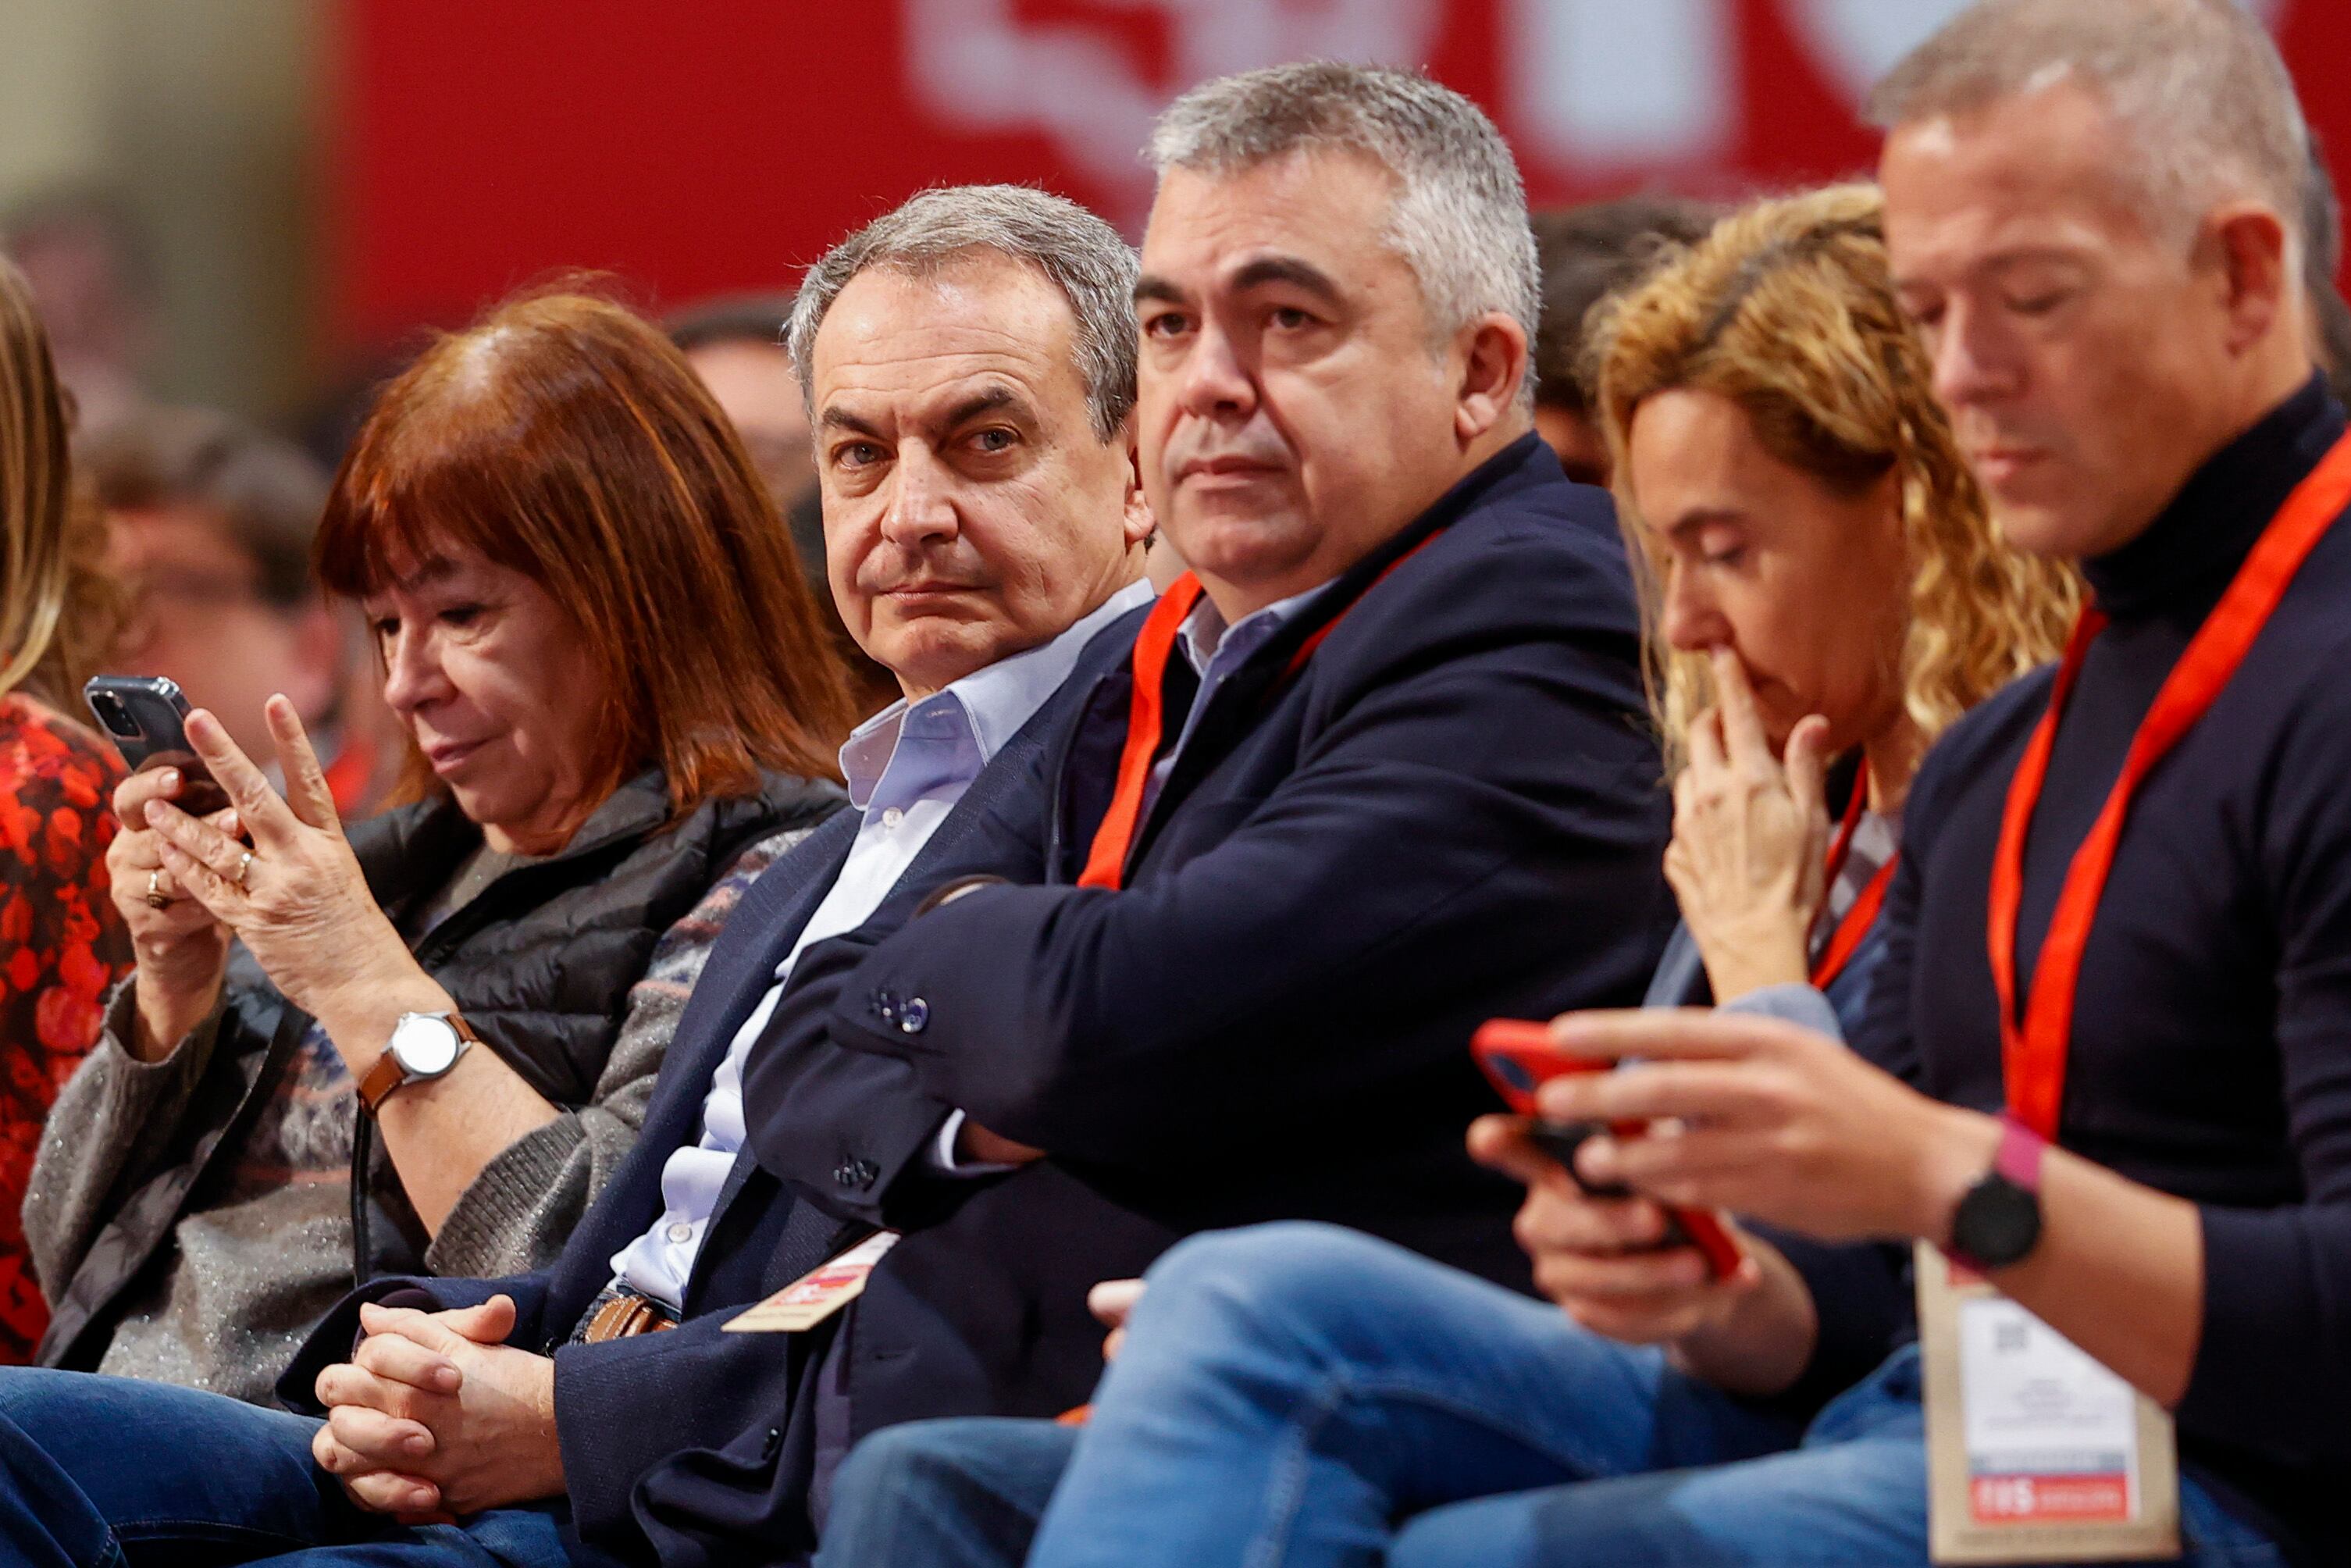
2035	1452
816	1294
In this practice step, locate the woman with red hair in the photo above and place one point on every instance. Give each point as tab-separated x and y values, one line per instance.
435	1035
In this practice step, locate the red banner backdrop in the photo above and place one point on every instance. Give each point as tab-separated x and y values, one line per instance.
722	144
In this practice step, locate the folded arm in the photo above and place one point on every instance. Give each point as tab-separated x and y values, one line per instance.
843	1125
1447	835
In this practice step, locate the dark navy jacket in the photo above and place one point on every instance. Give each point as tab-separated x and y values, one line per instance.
1454	812
644	1421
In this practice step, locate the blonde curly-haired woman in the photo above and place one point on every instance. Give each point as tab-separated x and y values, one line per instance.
1823	588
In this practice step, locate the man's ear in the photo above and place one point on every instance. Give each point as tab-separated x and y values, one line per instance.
2258	270
1492	352
1139	522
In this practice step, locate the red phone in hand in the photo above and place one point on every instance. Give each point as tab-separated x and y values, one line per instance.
1517	1058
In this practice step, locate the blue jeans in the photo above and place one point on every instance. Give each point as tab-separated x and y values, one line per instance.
1296	1394
105	1472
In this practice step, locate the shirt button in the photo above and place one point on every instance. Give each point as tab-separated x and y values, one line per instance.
681	1233
891	817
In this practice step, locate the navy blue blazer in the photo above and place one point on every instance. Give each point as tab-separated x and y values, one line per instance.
1454	812
637	1416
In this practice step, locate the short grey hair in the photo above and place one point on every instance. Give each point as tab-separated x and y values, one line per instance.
1459	217
1080	254
2205	103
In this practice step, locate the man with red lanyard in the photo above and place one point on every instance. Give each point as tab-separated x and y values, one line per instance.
2105	1064
1379	766
2123	912
2110	1028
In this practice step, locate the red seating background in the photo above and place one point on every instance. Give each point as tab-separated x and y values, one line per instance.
720	144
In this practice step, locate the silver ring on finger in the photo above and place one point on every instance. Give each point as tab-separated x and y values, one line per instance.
156	897
243	866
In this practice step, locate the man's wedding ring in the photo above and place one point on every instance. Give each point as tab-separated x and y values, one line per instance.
156	898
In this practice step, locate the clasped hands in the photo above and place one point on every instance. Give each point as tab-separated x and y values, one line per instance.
435	1417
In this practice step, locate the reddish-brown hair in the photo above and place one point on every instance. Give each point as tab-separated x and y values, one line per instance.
563	437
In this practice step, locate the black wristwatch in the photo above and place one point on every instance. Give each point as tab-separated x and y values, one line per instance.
1998	1223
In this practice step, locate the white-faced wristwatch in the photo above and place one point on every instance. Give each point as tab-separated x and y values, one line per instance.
423	1046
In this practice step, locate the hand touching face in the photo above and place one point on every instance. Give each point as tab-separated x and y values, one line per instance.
1809	585
1747	857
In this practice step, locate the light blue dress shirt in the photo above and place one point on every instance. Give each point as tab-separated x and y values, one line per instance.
906	768
1215	651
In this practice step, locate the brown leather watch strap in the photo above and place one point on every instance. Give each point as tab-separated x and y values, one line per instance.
387	1074
380	1081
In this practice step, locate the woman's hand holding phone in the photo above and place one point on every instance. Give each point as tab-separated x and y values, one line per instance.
294	891
181	949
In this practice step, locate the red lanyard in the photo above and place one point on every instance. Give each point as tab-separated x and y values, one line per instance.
1147	715
2034	1052
1851	931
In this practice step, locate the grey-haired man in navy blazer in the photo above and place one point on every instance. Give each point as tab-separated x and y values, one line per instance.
1379	772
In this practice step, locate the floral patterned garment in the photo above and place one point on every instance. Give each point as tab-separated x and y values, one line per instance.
62	944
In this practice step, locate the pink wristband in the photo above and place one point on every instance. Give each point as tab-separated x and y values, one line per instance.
2019	1156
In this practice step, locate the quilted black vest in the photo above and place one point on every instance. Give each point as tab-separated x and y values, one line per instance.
541	962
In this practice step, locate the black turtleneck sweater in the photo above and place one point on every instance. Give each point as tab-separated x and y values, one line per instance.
2211	1051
